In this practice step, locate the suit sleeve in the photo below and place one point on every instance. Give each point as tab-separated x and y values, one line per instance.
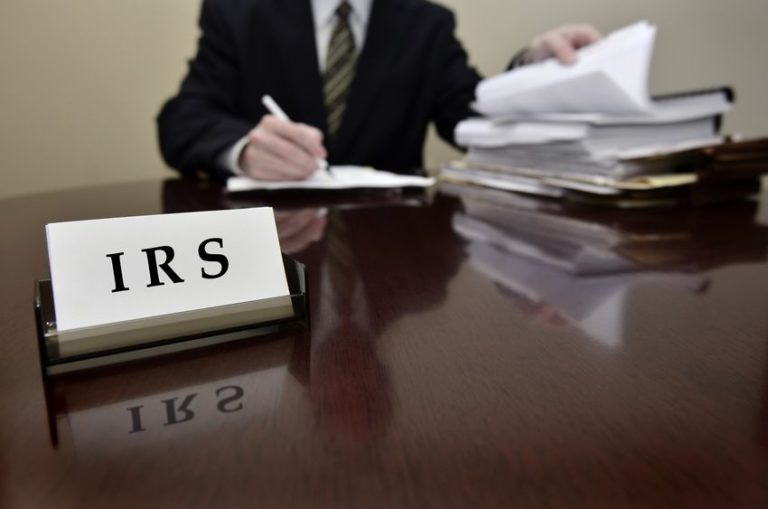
456	81
201	122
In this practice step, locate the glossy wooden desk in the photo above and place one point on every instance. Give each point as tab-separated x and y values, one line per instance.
423	383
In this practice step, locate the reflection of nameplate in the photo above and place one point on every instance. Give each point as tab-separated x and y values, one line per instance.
119	286
197	396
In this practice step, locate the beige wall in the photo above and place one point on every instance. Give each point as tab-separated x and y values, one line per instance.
83	79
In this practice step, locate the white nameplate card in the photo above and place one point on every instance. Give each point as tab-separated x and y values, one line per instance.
161	271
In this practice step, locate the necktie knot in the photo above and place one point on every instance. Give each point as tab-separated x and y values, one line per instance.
343	11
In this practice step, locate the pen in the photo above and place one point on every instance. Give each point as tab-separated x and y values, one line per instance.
277	111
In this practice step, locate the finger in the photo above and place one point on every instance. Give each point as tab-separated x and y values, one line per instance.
317	135
309	233
290	245
291	154
308	138
263	165
583	35
317	228
559	47
288	223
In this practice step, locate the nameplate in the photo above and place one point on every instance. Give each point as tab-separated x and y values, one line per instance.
109	271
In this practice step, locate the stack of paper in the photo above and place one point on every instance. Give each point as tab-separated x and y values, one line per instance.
592	128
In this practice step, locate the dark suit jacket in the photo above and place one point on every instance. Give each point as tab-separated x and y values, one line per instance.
411	71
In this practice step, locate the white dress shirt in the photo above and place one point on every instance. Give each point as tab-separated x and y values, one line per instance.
324	17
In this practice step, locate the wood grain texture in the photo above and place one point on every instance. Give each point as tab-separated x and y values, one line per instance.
423	382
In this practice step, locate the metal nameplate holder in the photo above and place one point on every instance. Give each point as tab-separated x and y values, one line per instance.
53	362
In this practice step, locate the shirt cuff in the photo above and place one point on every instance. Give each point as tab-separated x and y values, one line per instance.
230	158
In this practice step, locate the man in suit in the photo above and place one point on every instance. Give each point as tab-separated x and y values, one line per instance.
360	79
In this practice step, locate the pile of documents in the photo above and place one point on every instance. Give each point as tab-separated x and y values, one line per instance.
591	132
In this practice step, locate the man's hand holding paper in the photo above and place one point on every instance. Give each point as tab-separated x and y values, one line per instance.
562	43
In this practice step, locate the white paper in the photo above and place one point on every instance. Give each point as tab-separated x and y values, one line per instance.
340	177
664	111
83	279
498	181
610	76
481	132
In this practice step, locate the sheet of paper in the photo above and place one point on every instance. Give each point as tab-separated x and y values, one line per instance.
659	150
679	109
481	132
340	177
497	181
610	76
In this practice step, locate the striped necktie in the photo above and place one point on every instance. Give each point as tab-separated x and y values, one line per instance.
339	70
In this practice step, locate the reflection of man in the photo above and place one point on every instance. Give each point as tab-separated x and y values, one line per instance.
297	229
362	79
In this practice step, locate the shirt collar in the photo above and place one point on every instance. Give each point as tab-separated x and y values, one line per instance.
324	11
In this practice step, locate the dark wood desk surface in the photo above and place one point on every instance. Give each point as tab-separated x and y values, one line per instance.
424	383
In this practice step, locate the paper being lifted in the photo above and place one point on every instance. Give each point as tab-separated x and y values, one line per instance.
340	177
610	76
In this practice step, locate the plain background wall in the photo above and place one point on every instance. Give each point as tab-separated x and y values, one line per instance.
82	80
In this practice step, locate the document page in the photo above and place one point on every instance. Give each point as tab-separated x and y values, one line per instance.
339	177
610	76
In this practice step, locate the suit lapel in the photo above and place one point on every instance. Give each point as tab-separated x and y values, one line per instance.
380	47
294	32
